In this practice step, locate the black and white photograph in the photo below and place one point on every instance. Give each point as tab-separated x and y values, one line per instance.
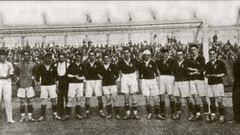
119	67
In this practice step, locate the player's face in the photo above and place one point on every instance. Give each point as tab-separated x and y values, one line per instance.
78	58
106	59
91	56
26	56
194	51
165	55
180	55
127	54
3	57
212	55
61	58
147	57
48	60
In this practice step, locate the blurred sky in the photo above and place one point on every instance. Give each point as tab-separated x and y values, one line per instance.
215	13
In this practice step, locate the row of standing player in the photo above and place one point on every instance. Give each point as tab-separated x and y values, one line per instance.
185	75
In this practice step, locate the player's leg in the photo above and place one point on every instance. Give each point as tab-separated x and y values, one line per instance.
134	105
115	104
7	96
53	97
108	106
195	99
148	107
44	99
88	95
98	92
68	109
127	105
30	109
213	108
60	99
144	84
190	108
172	104
221	108
79	97
162	105
22	110
170	89
178	108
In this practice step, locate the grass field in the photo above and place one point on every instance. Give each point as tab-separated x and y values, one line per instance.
98	126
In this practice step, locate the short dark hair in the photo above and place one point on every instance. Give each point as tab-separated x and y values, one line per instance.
78	53
25	51
164	50
61	53
48	55
193	45
179	50
126	49
105	54
91	51
210	50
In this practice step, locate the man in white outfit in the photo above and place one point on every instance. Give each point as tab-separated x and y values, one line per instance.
6	73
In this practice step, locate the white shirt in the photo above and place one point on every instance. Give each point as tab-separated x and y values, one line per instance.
106	66
61	68
6	69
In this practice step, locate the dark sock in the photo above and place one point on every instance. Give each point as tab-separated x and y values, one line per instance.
100	106
178	106
127	107
109	109
197	108
78	109
43	110
190	108
68	110
22	108
172	106
213	108
156	108
30	108
54	108
87	107
148	107
221	110
162	107
116	110
205	108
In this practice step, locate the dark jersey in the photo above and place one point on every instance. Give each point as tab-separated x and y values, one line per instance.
217	67
148	71
180	71
48	77
165	67
75	69
110	75
128	68
198	64
91	72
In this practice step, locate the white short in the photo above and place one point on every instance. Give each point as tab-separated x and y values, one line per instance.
129	83
48	90
182	89
25	92
198	87
75	90
112	89
216	90
93	86
149	87
166	84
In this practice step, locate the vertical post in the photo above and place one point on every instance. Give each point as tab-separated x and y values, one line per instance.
108	39
205	42
238	38
43	40
22	41
65	40
86	37
151	37
129	37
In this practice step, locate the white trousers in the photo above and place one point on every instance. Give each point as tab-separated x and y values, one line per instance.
6	92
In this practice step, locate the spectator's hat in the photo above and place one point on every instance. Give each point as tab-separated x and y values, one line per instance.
3	52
